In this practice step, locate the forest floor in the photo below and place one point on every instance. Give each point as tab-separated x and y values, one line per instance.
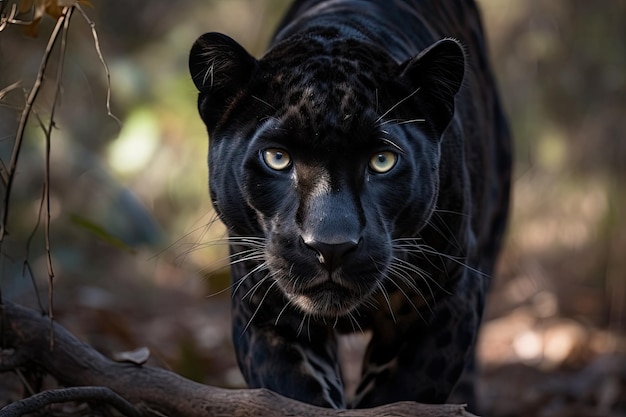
533	362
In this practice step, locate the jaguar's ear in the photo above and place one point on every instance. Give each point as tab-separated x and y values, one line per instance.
437	73
219	68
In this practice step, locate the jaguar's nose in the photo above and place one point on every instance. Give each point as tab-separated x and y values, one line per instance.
331	255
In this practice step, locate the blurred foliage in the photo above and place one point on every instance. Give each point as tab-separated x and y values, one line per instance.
562	70
561	66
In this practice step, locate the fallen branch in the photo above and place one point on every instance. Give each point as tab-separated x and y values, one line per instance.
55	396
154	391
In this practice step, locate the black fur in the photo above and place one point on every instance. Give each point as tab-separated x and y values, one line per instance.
389	208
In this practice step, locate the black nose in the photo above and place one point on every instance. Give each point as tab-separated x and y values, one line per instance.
331	255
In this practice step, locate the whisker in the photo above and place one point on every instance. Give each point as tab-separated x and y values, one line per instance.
400	121
259	306
205	226
425	277
411	245
210	269
390	143
392	108
404	122
409	299
258	243
255	251
385	295
354	321
282	311
404	274
255	287
306	317
407	280
457	213
264	102
449	236
241	280
456	259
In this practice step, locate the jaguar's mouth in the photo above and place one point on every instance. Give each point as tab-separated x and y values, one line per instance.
326	299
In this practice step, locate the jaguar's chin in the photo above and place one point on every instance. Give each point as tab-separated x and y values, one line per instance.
327	299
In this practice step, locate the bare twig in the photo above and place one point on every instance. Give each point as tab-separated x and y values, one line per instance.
19	136
9	88
67	12
10	19
4	174
4	21
99	394
26	265
96	43
26	268
28	386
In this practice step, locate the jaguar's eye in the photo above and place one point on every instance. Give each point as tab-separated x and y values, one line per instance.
277	159
382	162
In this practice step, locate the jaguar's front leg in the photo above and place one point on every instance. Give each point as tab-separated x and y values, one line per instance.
422	359
280	349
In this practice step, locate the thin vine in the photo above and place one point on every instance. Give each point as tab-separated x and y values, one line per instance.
35	10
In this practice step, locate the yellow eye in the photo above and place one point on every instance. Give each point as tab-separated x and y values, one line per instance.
277	159
382	162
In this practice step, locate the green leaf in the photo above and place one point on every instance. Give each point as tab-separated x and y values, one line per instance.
101	233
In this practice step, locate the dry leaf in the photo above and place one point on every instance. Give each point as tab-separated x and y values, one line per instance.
53	8
137	357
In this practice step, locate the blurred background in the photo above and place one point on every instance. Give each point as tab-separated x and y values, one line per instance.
133	233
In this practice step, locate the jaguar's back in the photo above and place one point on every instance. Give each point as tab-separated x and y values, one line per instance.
362	167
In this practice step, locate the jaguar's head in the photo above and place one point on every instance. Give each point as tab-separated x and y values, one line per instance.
329	151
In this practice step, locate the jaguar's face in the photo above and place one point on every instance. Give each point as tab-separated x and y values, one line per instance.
332	162
331	183
330	213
